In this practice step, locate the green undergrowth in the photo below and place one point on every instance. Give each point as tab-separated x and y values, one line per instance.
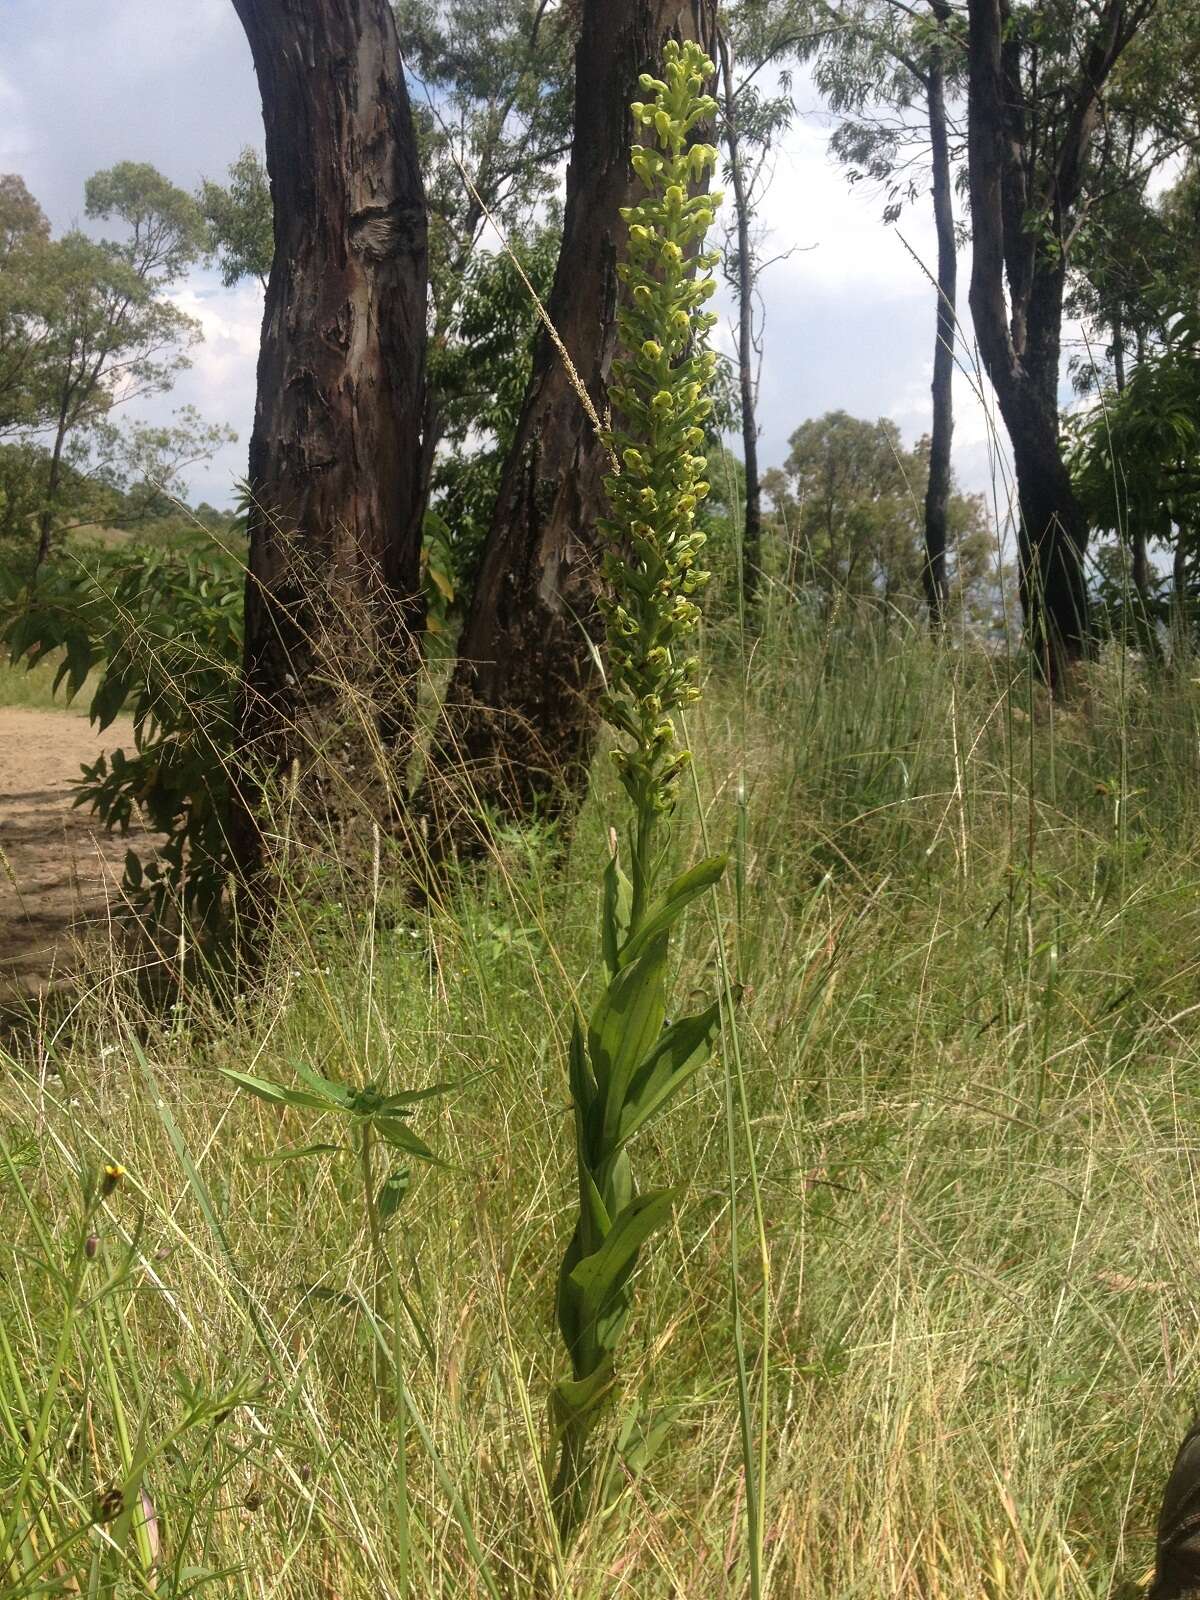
969	935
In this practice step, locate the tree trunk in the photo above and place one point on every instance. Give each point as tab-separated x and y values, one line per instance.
53	477
1020	344
518	728
937	495
333	589
752	527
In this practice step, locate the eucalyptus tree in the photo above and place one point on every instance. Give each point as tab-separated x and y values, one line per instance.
24	242
87	324
335	520
520	711
1041	82
240	220
890	71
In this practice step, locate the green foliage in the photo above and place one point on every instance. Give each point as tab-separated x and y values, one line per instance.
626	1063
162	631
240	216
1135	461
479	366
850	504
88	324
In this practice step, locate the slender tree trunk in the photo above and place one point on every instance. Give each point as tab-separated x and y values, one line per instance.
518	728
53	478
332	596
937	495
1139	566
752	527
1020	350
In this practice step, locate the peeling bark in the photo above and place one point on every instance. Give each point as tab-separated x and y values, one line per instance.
335	456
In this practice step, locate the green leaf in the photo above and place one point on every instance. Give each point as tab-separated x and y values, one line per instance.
392	1192
666	911
574	1398
626	1023
618	902
583	1084
681	1051
337	1092
412	1097
603	1274
297	1153
401	1137
275	1093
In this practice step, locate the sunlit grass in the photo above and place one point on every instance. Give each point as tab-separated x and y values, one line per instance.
970	945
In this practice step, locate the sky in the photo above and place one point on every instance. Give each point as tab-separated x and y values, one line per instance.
849	309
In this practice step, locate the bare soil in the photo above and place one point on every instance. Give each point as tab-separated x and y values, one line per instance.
60	873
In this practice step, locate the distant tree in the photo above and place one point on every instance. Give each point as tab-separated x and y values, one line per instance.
240	220
520	709
335	521
24	328
851	498
87	325
110	475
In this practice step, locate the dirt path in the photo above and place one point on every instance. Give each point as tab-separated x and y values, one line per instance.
59	870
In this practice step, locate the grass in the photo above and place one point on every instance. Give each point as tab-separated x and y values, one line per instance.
969	939
32	689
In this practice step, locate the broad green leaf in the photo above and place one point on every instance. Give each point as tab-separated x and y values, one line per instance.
275	1093
666	910
401	1137
681	1051
618	902
337	1092
392	1192
574	1398
599	1276
626	1023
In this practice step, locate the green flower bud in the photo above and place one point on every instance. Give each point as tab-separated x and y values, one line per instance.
652	350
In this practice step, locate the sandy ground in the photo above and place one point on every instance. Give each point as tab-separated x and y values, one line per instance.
59	870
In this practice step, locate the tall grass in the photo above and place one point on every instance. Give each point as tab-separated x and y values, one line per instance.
969	939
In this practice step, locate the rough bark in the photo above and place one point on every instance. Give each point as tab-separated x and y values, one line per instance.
937	495
518	729
1012	181
335	456
752	527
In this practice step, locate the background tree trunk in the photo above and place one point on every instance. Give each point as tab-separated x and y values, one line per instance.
335	455
1020	342
937	495
752	528
519	724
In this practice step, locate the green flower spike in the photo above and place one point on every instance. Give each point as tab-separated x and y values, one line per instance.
627	1061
